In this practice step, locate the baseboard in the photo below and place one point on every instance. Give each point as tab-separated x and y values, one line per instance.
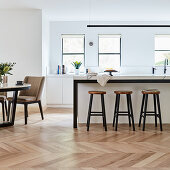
60	106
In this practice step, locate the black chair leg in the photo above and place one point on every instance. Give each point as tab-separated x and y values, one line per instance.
155	110
114	116
145	110
89	111
104	113
26	112
159	110
3	111
117	111
131	110
128	107
41	110
9	110
141	112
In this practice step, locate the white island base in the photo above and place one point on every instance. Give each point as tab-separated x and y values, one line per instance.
83	98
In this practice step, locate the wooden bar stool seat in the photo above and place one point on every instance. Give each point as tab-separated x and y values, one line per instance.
151	91
98	113
129	111
96	92
157	110
123	92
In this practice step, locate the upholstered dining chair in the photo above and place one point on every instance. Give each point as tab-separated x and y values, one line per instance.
31	96
3	101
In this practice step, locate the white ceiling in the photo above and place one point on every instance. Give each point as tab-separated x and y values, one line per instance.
104	10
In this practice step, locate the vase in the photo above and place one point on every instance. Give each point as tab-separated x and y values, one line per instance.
4	79
77	71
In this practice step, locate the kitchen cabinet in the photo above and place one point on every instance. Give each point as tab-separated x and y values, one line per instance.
60	91
67	90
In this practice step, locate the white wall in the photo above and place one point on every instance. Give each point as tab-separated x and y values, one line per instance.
21	41
137	44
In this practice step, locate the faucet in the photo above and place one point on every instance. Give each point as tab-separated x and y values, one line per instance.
165	64
153	70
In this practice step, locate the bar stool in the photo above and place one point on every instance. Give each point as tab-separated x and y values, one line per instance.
122	113
102	113
144	111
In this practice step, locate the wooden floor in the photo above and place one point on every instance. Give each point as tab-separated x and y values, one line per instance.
53	144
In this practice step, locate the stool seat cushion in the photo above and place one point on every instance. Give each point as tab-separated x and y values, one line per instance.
123	92
96	92
150	91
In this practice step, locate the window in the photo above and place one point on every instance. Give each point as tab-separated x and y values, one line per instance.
109	52
73	50
162	49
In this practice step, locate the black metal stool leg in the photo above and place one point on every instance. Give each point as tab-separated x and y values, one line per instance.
159	110
131	109
128	107
3	110
103	111
89	112
155	110
141	112
145	110
117	111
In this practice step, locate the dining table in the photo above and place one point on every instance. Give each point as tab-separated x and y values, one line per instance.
15	89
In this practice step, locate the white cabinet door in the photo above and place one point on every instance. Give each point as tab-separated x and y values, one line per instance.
54	90
67	90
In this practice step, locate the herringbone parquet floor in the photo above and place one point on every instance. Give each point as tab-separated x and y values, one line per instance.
53	144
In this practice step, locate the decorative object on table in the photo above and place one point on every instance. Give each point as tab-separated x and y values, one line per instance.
19	83
110	71
5	69
76	65
103	79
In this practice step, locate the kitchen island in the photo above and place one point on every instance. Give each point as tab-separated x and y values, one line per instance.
122	82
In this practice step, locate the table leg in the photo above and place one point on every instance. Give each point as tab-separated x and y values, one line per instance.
14	102
11	122
75	104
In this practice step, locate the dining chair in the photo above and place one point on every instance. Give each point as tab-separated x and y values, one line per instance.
31	96
3	101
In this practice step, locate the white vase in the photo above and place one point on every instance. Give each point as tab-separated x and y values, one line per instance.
77	71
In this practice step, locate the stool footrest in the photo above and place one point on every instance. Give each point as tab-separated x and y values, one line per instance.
151	115
96	114
149	112
123	115
122	112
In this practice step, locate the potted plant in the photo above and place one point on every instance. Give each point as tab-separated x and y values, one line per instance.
5	69
76	65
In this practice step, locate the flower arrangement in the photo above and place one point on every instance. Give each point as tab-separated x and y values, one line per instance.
5	68
76	64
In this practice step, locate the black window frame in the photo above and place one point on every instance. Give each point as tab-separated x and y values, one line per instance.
109	53
73	53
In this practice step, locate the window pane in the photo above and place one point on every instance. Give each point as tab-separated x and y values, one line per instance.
109	61
109	45
160	56
73	45
162	43
68	59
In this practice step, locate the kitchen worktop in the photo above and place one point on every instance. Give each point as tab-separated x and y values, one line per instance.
124	77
